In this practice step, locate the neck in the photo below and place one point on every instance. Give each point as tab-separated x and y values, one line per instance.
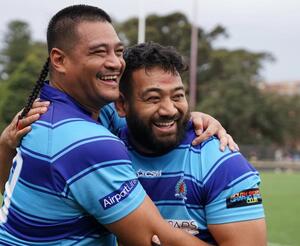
94	112
139	147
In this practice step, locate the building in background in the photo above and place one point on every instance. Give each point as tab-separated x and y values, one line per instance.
289	88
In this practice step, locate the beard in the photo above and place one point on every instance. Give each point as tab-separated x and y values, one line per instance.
142	136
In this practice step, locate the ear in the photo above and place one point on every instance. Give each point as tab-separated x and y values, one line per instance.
58	60
121	105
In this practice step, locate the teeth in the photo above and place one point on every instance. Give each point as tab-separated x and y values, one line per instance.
109	77
165	124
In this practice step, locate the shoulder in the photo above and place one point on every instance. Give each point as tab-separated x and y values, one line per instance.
53	137
222	170
213	157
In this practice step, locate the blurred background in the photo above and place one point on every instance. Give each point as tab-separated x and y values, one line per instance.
244	71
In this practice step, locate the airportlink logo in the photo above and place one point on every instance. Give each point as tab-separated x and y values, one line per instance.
118	195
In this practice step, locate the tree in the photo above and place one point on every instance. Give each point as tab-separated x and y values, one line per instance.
174	30
21	82
227	80
230	91
17	43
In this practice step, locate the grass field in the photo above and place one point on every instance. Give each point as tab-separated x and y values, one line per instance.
281	198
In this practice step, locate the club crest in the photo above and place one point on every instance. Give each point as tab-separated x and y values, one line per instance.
181	189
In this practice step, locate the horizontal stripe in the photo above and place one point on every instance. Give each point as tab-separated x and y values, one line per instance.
32	230
37	173
240	179
96	167
172	174
217	164
52	158
89	156
10	240
44	202
231	169
177	204
167	189
41	189
26	215
62	136
57	124
6	243
175	174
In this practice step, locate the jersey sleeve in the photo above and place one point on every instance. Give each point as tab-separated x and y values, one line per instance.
99	176
110	119
232	189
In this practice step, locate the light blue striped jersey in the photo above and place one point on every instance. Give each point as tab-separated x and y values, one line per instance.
196	186
110	119
70	177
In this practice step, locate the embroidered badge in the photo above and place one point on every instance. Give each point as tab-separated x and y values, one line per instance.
180	189
244	198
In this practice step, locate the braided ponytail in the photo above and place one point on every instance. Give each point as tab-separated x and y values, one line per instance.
36	89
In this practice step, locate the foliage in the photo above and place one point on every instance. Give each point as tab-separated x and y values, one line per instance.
17	43
228	81
21	81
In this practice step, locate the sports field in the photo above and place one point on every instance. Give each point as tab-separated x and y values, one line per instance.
281	197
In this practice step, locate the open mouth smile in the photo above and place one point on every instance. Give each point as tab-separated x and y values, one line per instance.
108	78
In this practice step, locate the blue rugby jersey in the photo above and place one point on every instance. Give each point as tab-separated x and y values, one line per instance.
196	186
70	176
110	119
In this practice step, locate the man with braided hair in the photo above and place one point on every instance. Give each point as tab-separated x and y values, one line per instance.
72	182
36	89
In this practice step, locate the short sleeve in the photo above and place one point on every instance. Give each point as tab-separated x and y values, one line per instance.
232	190
99	176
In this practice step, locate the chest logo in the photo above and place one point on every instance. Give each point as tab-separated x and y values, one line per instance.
181	189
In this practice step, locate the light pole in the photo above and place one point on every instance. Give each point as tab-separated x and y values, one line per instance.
142	22
193	58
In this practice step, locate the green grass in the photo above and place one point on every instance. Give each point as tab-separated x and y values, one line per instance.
281	198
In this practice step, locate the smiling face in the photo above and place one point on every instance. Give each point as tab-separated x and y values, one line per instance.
94	65
157	111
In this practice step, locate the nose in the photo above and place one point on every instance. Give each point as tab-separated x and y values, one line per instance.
167	108
114	62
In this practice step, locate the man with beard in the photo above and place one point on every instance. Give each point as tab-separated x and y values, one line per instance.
72	182
212	194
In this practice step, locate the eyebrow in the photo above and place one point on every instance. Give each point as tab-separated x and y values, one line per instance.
105	45
158	90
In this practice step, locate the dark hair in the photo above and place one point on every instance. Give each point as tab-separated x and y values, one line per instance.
61	33
149	55
36	89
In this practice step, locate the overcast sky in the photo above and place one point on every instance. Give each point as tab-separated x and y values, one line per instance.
256	25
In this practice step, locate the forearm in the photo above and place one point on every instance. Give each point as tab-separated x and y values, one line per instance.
139	227
181	238
246	233
6	157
